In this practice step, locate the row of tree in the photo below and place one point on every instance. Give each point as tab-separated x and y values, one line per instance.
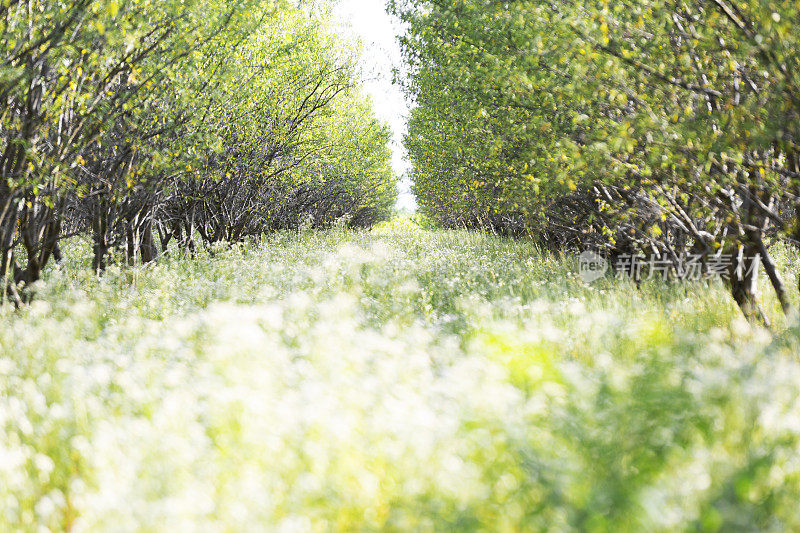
655	127
142	122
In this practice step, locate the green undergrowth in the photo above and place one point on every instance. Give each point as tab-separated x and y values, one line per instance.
397	380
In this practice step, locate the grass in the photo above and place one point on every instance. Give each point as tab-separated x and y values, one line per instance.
398	380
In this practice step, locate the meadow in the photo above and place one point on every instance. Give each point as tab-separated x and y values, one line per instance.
398	379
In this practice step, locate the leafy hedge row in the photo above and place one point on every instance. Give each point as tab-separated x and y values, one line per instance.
660	128
223	118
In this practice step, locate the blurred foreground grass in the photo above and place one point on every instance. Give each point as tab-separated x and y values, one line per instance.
398	380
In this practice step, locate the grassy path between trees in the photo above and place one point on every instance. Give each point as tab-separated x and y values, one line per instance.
391	380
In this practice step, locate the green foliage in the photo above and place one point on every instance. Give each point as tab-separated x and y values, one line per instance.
289	117
391	380
692	106
660	127
221	116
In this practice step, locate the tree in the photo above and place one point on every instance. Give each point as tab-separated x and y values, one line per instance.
652	127
127	119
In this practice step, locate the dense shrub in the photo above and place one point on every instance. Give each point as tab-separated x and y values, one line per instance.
657	127
221	118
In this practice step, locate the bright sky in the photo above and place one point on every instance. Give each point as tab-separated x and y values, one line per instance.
367	21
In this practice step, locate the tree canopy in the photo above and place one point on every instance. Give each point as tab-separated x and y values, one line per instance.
222	118
658	127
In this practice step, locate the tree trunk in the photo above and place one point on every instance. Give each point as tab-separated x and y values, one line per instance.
187	242
793	162
58	256
744	283
100	238
147	245
775	278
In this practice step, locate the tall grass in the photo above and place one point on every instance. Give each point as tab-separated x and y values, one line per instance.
399	380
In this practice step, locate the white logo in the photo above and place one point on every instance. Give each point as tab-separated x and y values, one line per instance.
592	266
